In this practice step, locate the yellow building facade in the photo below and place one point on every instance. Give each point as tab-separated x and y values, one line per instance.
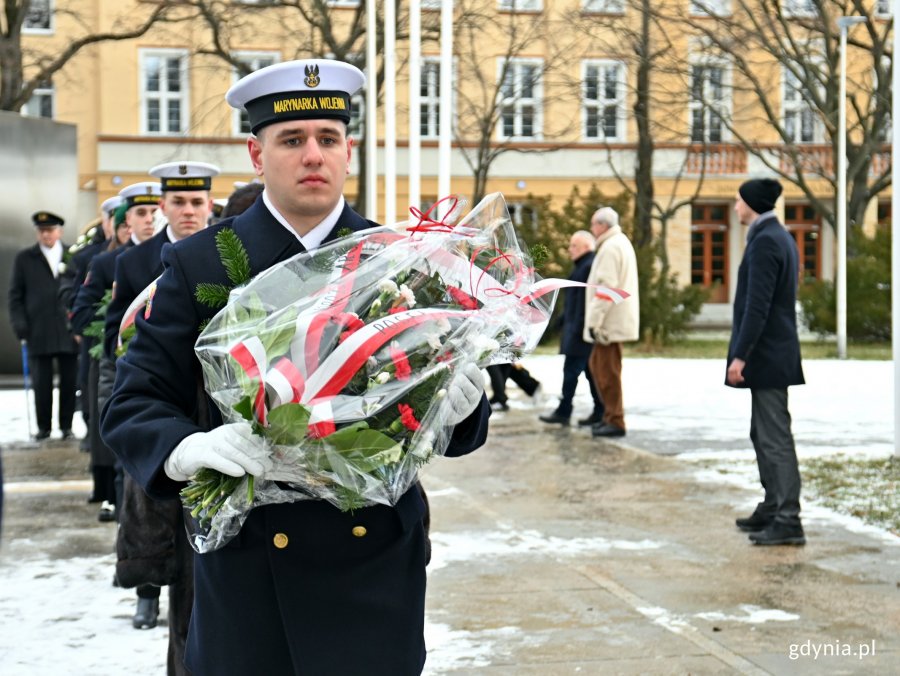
564	116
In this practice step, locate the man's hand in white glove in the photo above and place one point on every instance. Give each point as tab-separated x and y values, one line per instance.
231	449
464	393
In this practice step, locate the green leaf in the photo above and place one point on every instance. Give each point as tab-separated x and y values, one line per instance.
287	424
212	295
234	256
245	408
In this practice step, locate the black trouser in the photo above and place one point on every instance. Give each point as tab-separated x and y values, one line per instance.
770	431
499	373
42	377
573	367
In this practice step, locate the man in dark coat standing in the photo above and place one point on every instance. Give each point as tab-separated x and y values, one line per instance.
764	355
39	318
303	587
572	343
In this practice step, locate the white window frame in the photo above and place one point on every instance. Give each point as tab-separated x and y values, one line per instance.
34	102
163	96
431	4
253	58
432	100
711	7
799	8
342	3
707	104
602	103
520	5
518	102
51	27
603	6
883	9
798	105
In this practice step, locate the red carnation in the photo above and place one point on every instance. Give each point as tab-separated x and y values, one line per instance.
401	363
462	298
408	417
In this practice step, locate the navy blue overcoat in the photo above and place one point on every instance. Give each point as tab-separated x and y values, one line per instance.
764	327
315	599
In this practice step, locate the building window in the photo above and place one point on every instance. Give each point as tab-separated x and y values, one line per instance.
709	249
342	3
800	121
430	98
521	5
164	91
710	7
357	114
603	88
253	61
41	103
38	17
805	225
709	103
521	100
883	8
603	6
523	215
799	7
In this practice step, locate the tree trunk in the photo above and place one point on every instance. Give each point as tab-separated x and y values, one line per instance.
643	173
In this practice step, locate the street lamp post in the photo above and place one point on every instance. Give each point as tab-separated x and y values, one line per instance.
844	24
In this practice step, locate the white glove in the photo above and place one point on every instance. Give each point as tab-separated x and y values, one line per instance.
464	394
231	449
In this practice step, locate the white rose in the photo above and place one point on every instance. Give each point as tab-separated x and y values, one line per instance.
408	295
388	286
382	378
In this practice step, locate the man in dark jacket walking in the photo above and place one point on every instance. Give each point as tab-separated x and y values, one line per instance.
764	355
572	344
39	318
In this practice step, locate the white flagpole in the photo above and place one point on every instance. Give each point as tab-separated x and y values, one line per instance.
371	111
415	112
446	99
390	112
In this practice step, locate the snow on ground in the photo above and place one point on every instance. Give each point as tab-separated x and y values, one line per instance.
49	609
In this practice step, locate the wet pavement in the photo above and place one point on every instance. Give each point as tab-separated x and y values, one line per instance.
555	553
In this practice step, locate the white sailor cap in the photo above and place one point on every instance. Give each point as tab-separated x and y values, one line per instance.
309	89
110	205
243	184
145	192
185	175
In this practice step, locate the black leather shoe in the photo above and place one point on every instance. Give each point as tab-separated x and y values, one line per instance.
107	512
554	418
146	615
606	430
779	534
67	434
41	435
754	522
593	419
500	406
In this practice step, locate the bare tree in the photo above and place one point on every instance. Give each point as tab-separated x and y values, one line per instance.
498	99
26	68
785	58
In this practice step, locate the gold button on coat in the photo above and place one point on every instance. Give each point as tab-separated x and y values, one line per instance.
359	531
280	540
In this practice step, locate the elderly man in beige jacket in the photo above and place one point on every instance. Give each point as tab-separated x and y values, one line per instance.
607	325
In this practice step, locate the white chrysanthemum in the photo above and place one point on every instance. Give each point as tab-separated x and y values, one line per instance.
382	377
388	286
62	268
408	296
434	340
443	325
484	344
73	248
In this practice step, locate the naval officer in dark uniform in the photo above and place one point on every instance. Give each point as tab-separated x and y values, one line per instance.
39	318
304	588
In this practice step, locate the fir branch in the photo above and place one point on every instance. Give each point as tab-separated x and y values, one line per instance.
344	232
540	254
212	295
234	256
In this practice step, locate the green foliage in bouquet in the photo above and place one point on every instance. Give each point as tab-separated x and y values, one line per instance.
98	325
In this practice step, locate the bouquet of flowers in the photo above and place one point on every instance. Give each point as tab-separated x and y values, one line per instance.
340	359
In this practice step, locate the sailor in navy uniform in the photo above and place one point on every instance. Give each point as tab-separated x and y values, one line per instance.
150	544
140	203
186	205
303	588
